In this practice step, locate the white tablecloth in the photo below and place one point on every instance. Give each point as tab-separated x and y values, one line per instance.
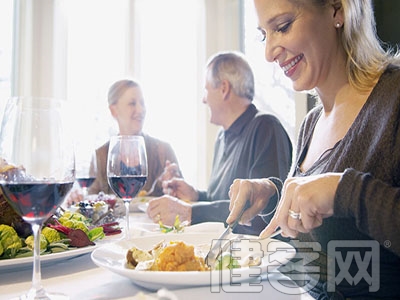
81	279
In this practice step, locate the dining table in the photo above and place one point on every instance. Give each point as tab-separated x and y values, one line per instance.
80	278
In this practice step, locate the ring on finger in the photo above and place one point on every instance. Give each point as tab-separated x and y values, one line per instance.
294	215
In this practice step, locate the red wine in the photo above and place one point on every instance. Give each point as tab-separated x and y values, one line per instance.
127	186
35	201
85	182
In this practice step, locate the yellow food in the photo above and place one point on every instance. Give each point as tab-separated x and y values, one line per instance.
175	256
6	168
179	257
142	193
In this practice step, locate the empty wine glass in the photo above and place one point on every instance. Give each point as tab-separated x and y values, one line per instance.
127	168
40	168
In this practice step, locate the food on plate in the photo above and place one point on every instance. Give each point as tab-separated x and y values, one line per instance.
110	199
51	235
79	230
9	170
177	227
136	255
10	242
172	256
48	237
65	232
77	237
30	242
142	193
226	261
8	215
100	208
179	256
93	210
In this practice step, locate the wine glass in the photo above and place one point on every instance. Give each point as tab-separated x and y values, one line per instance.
127	168
86	167
41	169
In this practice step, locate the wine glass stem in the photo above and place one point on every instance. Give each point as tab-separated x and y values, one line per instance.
84	192
126	202
36	276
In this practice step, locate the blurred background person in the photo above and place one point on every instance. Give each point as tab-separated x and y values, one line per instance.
250	144
127	106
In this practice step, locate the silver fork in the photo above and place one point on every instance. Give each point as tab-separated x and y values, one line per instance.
158	179
153	186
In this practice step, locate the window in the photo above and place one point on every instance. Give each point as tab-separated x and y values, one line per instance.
6	23
274	91
171	69
96	56
163	45
162	48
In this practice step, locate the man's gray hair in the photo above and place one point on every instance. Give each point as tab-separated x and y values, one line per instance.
234	68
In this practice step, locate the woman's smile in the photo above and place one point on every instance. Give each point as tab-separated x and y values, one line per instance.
289	67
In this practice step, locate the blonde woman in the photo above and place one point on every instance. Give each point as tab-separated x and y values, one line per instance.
344	185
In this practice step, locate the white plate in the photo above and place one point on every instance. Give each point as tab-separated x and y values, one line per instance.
112	257
27	262
136	205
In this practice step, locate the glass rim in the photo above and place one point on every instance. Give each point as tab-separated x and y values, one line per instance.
127	137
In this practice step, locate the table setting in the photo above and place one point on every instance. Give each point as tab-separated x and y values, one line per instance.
76	253
81	277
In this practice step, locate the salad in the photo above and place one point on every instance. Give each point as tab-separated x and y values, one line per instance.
62	232
70	230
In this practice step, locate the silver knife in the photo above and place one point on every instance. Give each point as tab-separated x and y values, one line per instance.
215	251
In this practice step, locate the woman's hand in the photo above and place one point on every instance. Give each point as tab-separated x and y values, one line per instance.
256	191
305	202
179	188
166	208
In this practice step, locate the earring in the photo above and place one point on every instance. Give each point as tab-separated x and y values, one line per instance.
337	25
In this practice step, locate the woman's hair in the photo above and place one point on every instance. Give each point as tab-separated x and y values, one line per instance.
118	88
234	68
366	58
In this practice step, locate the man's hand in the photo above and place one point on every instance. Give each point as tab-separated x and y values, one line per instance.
166	208
179	188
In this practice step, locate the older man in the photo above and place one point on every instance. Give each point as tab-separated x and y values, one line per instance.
250	144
